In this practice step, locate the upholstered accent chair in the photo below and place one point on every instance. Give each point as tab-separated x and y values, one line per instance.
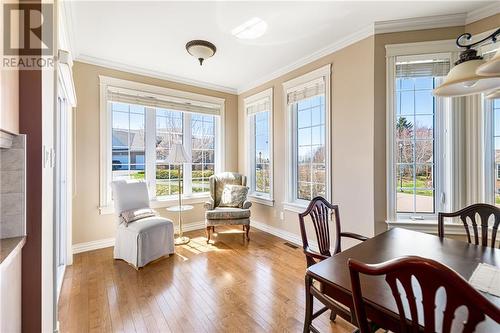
216	214
145	239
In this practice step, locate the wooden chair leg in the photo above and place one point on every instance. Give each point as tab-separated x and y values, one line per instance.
208	234
309	305
247	231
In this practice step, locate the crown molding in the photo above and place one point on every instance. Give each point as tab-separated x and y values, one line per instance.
344	42
420	23
483	12
68	19
150	73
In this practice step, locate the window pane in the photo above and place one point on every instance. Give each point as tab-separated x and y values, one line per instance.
407	84
424	151
168	132
424	127
310	148
415	145
404	151
407	102
167	178
404	127
127	141
202	151
262	156
424	83
424	102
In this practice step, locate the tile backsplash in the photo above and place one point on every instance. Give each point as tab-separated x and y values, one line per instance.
13	188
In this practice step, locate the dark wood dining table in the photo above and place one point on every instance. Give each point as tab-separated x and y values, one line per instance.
381	308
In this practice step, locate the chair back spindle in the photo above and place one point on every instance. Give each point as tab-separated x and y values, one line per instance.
431	276
320	211
470	213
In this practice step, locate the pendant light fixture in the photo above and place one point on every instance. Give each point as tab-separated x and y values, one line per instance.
201	49
493	95
491	67
463	79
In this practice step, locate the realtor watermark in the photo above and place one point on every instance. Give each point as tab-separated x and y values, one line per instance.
28	41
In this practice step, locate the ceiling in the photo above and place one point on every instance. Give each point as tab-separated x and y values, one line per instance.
149	37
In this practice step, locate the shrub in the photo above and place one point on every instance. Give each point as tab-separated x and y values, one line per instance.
173	174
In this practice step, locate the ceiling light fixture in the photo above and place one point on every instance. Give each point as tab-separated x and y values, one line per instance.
466	78
493	95
491	67
251	29
201	49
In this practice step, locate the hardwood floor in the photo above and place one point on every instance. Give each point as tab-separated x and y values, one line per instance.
229	286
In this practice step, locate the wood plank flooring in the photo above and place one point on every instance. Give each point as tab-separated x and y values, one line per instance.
228	286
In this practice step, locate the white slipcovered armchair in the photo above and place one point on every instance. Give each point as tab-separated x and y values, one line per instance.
146	239
216	215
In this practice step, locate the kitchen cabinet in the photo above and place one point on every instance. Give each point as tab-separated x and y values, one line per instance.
9	100
9	84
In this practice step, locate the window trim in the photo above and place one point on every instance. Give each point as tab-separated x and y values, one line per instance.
254	196
105	132
491	168
290	203
440	135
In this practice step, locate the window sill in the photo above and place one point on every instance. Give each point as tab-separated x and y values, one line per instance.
429	226
261	200
294	207
162	203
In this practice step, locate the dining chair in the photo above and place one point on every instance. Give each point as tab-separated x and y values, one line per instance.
431	277
470	213
320	213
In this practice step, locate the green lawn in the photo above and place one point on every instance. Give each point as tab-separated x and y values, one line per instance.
421	182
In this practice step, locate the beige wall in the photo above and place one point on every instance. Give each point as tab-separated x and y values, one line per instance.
352	139
88	225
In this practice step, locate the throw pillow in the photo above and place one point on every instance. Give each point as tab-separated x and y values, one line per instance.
132	215
233	196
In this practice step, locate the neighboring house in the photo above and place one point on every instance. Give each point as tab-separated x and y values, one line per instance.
121	156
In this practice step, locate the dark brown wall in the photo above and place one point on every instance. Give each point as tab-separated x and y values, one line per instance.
30	123
30	119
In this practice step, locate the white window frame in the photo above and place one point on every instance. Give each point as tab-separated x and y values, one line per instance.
491	168
105	174
291	203
262	198
441	187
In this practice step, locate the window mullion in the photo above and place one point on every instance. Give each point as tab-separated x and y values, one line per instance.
150	151
188	146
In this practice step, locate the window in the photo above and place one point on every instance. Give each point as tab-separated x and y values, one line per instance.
309	147
128	141
258	127
307	117
169	131
203	149
415	135
139	125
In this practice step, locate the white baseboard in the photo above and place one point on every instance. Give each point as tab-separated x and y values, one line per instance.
93	245
191	226
108	242
286	235
283	234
